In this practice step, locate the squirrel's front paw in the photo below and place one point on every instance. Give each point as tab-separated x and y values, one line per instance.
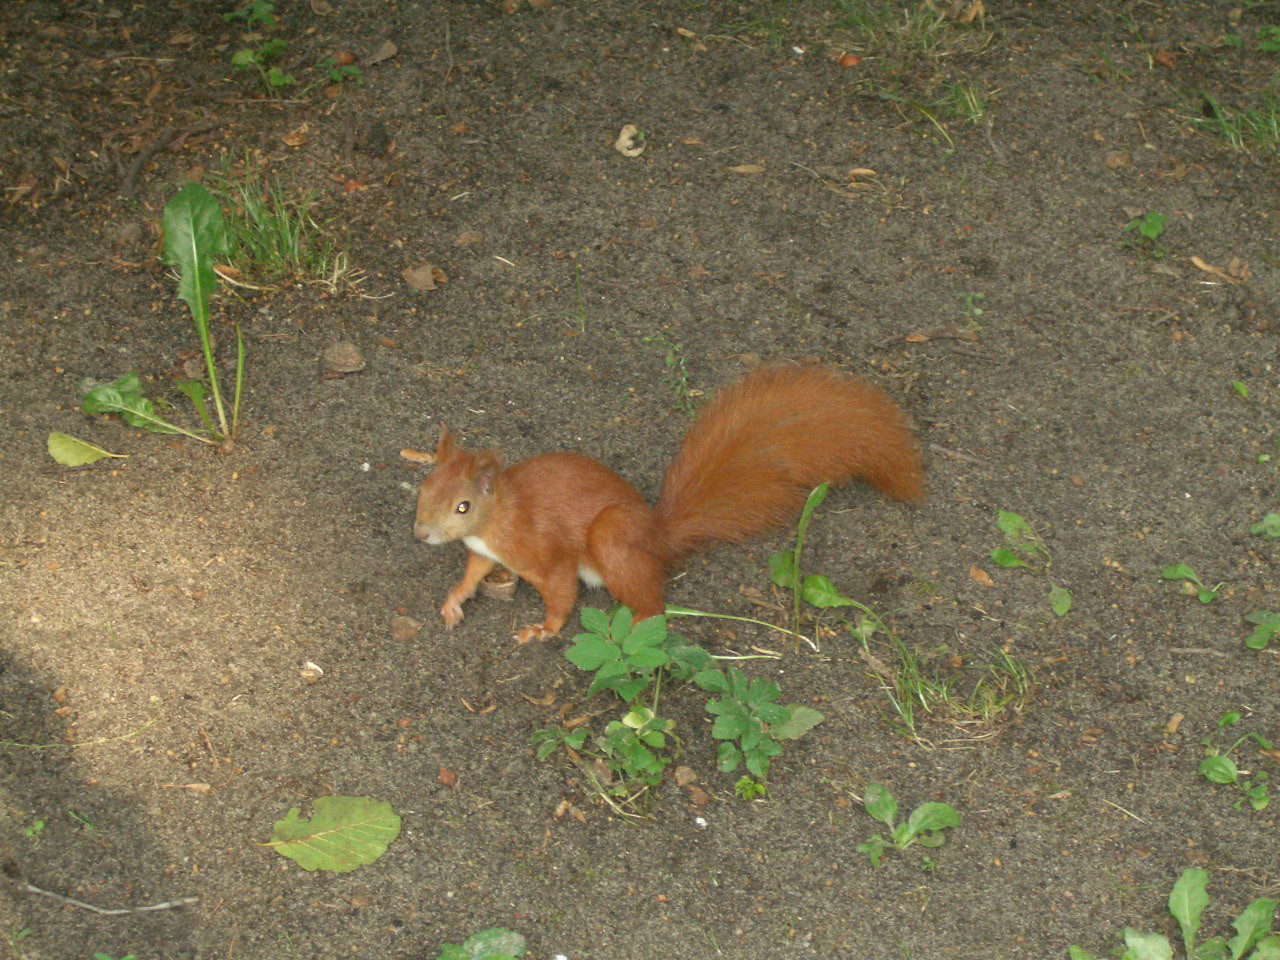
452	612
534	631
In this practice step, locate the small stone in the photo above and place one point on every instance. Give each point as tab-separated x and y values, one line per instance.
1117	160
404	629
343	357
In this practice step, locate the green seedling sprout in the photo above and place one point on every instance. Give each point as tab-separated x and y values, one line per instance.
924	825
1182	572
1218	766
1026	549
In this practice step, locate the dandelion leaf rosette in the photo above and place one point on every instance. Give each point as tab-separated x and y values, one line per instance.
343	834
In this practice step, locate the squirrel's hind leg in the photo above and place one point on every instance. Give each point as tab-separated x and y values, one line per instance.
622	543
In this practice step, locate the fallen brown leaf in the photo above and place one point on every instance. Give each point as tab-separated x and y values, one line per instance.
1210	268
980	576
425	277
748	168
386	50
447	778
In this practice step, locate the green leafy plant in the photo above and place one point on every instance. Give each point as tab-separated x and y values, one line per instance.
1187	901
1026	549
968	102
1269	39
343	834
1239	387
34	830
335	72
923	826
749	722
748	789
786	572
1246	127
1144	235
1218	767
73	452
1266	628
254	13
194	233
260	60
1268	526
496	943
107	956
1192	583
971	305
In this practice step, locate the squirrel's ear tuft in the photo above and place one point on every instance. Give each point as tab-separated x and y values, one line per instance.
445	445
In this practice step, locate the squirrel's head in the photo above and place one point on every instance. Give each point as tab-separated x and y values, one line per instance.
456	496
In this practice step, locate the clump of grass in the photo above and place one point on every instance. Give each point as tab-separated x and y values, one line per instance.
272	230
1247	128
907	44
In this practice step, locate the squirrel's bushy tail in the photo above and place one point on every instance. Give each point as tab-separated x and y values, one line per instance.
764	442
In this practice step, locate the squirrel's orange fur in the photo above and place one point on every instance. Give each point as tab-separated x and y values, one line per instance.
746	465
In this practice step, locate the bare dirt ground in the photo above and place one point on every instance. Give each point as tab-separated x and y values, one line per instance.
155	612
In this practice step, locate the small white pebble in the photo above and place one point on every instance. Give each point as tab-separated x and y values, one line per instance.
798	51
365	468
701	823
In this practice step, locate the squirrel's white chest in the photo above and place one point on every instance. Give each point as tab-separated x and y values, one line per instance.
587	574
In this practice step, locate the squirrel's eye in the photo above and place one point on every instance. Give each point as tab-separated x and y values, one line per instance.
464	506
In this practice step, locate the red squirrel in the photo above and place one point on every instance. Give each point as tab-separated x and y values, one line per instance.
746	465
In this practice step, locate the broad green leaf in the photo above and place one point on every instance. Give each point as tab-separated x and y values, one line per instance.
874	849
1060	600
637	718
595	621
1215	948
932	816
620	624
1267	628
72	452
124	396
712	681
880	804
343	834
757	758
646	633
800	720
590	652
822	593
1004	557
1079	953
1219	769
194	233
1268	949
727	758
1179	571
1251	926
496	943
729	726
244	59
1187	901
782	569
1146	946
647	658
1016	530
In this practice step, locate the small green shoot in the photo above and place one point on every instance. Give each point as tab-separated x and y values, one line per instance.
1268	526
1145	233
73	452
1239	387
968	103
748	789
1266	628
1246	128
677	372
1269	39
34	831
1191	583
496	943
1218	767
972	308
924	825
1026	549
1187	902
343	834
335	72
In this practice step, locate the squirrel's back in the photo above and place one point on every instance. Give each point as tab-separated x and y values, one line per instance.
763	443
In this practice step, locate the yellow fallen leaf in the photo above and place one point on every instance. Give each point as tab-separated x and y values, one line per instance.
747	168
1210	268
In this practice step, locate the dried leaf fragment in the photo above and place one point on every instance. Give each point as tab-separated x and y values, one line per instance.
343	357
311	672
981	577
1216	271
425	277
630	142
404	629
386	50
298	135
418	456
749	168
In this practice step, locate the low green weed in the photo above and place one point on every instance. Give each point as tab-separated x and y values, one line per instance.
1266	628
1144	233
256	13
260	61
1245	128
496	943
1191	583
1187	901
677	372
107	956
923	826
632	660
748	789
1268	526
1218	767
1026	549
34	831
968	102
